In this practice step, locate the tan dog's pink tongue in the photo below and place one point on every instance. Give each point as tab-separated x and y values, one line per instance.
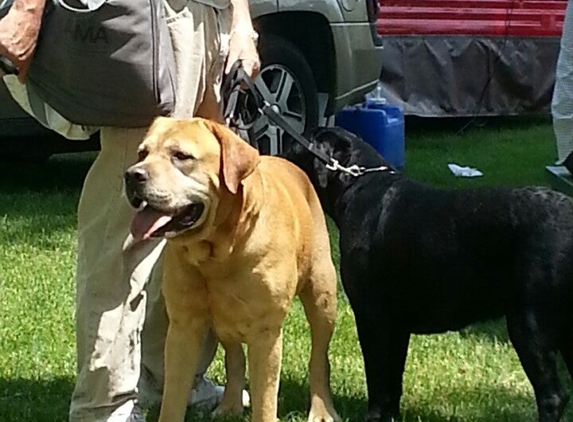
146	221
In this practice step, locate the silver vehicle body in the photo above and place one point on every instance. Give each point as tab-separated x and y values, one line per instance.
337	38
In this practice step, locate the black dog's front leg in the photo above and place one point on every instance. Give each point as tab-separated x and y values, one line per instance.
384	349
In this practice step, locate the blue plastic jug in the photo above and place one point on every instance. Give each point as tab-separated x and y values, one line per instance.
379	124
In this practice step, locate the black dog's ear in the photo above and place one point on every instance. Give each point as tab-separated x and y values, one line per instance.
323	148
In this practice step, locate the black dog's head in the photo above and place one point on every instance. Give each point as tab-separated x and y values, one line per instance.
343	146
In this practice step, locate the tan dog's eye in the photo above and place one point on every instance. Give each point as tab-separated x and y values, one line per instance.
181	156
141	154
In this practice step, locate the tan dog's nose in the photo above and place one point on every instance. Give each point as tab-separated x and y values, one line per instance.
135	179
136	175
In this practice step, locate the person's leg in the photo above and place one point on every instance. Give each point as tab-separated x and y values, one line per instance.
110	303
205	393
200	38
562	102
219	30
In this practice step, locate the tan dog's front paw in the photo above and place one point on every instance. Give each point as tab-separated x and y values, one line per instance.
319	412
231	407
228	409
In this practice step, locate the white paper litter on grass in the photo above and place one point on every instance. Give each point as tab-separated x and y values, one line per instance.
460	171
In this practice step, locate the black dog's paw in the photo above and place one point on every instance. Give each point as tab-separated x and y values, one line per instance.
383	416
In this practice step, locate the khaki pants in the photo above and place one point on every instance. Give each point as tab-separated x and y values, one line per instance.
562	102
111	278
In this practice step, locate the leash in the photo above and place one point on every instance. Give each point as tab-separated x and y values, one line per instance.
238	84
240	108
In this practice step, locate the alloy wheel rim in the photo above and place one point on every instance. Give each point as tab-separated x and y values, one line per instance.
285	93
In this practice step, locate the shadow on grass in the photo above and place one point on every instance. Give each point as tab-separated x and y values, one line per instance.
40	197
460	125
24	400
494	331
486	405
59	173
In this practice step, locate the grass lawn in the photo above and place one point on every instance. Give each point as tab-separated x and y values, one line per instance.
473	375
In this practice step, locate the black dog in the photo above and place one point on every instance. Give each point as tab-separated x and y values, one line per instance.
417	259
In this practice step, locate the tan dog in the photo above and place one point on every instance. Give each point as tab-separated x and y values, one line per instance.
245	235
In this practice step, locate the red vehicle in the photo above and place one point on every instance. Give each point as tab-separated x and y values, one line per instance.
470	57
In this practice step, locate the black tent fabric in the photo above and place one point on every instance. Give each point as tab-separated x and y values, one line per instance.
440	76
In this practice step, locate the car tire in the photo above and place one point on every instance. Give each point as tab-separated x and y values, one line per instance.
287	79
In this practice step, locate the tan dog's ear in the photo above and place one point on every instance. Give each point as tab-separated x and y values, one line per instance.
238	158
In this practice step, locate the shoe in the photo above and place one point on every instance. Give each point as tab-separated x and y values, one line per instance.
136	415
120	414
568	163
205	395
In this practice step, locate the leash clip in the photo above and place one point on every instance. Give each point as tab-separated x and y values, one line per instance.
333	165
353	170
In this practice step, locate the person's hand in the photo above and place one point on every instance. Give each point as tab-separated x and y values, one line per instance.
243	47
19	31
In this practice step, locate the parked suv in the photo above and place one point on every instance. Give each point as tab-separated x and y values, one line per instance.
317	56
